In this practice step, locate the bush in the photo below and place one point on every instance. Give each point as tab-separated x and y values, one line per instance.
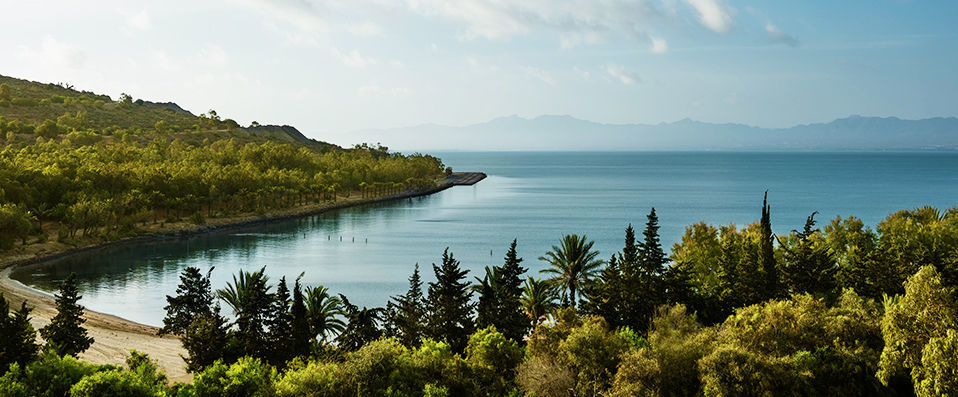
24	102
493	359
48	129
246	377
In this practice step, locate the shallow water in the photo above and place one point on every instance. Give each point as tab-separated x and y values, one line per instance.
534	197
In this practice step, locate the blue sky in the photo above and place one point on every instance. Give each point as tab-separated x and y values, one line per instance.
330	67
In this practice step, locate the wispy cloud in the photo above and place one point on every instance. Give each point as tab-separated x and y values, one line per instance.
374	90
540	74
622	74
659	46
353	58
139	21
713	14
776	36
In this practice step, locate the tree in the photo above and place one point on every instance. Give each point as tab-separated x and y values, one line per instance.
809	266
362	326
766	260
573	264
538	299
6	93
194	298
18	344
449	304
280	326
409	317
252	303
652	257
65	333
206	341
510	319
15	223
927	310
487	309
48	129
300	320
322	311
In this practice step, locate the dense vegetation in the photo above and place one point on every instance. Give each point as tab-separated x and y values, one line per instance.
88	167
839	310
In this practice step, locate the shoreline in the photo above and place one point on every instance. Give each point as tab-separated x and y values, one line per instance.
115	336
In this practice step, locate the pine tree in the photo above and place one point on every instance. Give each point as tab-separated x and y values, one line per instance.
809	267
205	341
409	314
300	321
487	309
766	260
511	319
605	295
652	257
194	298
65	333
448	304
18	342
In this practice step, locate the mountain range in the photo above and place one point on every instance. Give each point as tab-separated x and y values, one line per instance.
568	133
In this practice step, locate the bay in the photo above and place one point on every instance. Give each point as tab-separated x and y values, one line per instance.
368	252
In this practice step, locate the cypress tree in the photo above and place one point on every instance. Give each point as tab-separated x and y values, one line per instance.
766	260
18	344
409	313
280	324
300	322
652	257
65	333
194	298
511	320
448	304
605	295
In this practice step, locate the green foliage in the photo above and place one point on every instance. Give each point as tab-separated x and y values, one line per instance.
410	315
362	326
48	129
808	265
573	263
538	299
322	312
926	311
194	298
939	366
246	377
493	358
249	297
49	376
65	333
448	306
206	341
18	344
15	223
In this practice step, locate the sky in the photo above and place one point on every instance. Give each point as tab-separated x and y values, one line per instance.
330	67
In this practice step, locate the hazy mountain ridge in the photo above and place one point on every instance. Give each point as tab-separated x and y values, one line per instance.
551	132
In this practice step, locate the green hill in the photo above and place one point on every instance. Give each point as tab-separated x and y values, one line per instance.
26	105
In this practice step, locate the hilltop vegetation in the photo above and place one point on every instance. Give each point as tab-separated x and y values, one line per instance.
85	167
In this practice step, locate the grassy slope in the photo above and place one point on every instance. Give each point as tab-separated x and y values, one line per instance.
102	113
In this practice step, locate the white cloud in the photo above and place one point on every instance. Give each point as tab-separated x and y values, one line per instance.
139	21
302	14
776	36
659	46
353	58
539	74
367	29
585	74
52	52
620	73
713	14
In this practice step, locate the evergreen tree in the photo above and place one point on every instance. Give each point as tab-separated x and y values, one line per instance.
448	304
630	253
18	341
362	326
511	321
300	322
766	260
409	314
194	298
605	294
809	266
652	257
65	333
280	324
487	310
206	341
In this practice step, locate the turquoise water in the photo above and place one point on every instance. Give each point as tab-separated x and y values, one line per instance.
534	197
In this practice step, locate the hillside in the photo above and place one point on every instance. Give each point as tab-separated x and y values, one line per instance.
568	133
28	104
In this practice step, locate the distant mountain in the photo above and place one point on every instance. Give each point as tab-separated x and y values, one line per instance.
569	133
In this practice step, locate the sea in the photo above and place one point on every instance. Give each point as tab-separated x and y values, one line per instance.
367	253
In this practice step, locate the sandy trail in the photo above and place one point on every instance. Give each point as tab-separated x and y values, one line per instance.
113	337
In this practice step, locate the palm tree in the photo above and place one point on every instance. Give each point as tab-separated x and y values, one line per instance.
322	311
248	294
537	298
573	263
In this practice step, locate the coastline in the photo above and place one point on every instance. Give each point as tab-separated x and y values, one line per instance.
115	336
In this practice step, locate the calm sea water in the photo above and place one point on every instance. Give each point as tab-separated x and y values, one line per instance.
367	253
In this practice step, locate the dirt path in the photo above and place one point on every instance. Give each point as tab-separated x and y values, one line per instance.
113	337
